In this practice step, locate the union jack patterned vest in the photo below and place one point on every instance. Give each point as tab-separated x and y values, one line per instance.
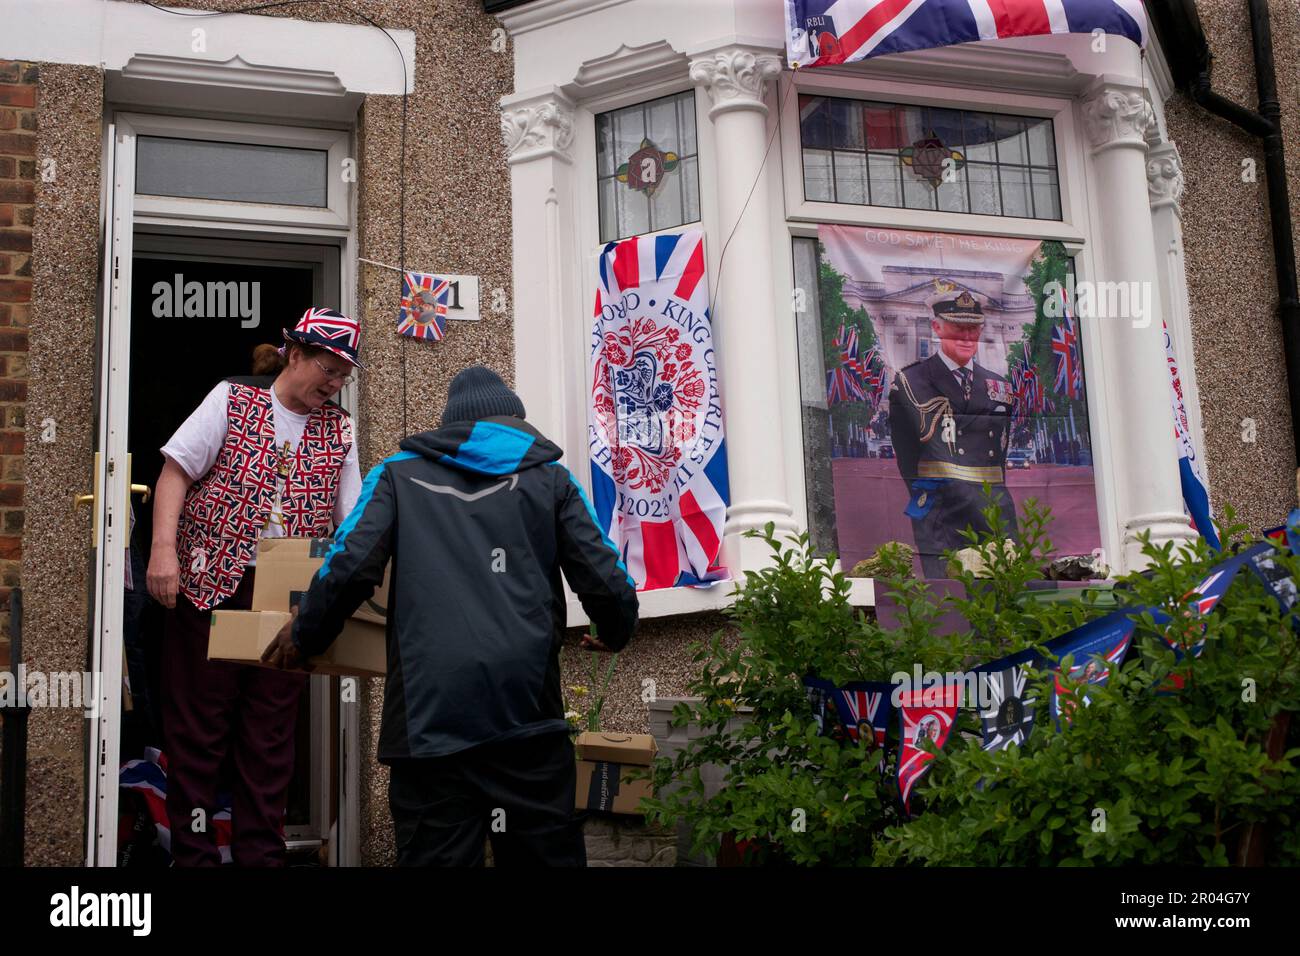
226	510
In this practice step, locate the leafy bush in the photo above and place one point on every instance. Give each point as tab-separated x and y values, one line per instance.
1137	776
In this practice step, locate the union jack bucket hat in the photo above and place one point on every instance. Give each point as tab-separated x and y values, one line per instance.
329	330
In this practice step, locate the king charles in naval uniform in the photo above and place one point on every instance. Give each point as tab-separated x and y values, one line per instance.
951	422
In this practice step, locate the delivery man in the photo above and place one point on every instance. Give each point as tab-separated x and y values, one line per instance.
478	519
950	419
251	462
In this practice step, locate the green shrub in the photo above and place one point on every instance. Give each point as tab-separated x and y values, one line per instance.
1135	777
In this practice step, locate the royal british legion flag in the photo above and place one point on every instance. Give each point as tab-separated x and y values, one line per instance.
826	32
658	460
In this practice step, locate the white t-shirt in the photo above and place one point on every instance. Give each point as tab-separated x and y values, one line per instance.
198	441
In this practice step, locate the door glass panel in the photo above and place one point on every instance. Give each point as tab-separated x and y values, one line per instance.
237	172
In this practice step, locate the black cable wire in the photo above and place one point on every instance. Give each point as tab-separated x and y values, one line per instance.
401	174
717	282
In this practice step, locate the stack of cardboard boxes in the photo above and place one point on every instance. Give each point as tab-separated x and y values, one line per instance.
285	568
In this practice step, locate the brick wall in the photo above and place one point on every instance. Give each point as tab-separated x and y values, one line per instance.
17	206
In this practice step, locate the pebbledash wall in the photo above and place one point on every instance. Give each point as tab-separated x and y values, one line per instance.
458	214
478	205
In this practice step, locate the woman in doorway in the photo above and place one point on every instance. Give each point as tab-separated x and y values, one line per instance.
249	463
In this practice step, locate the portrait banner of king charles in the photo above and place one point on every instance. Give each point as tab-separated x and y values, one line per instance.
941	375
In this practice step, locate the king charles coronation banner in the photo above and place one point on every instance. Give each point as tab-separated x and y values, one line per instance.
658	460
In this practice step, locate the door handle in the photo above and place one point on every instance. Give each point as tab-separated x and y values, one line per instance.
141	490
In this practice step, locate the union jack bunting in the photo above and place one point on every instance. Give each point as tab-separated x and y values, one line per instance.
1188	637
655	428
423	312
826	32
927	714
1094	649
1006	712
862	706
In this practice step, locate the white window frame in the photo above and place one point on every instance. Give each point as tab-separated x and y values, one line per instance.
801	217
1060	111
335	143
597	111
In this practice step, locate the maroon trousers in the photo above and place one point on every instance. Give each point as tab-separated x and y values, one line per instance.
211	709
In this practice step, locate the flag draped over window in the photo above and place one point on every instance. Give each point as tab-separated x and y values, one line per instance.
826	32
1195	496
658	460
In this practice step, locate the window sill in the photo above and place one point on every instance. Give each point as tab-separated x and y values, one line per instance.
672	602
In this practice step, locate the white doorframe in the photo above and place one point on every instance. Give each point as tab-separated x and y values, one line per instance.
111	505
189	235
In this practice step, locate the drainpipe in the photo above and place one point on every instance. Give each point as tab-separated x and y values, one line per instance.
1266	124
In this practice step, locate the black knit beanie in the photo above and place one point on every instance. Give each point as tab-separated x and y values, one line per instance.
478	392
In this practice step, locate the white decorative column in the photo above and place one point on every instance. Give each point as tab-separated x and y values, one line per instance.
1165	189
1141	435
538	131
745	316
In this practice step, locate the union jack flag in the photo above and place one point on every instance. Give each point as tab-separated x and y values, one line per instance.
826	32
423	314
1065	346
148	778
844	384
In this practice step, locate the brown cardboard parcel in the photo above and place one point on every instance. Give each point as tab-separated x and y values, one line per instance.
603	766
285	567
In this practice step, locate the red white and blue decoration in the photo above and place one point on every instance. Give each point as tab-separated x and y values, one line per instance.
927	714
423	314
655	432
1094	649
1196	498
147	777
330	330
865	708
1065	349
1188	635
826	32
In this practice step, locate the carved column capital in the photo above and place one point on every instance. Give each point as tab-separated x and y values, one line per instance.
735	78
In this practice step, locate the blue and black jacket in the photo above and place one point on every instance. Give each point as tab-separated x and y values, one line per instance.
479	519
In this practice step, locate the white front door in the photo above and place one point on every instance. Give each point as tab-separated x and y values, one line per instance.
305	254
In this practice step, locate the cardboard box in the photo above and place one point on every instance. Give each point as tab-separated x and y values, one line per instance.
285	567
605	761
242	636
